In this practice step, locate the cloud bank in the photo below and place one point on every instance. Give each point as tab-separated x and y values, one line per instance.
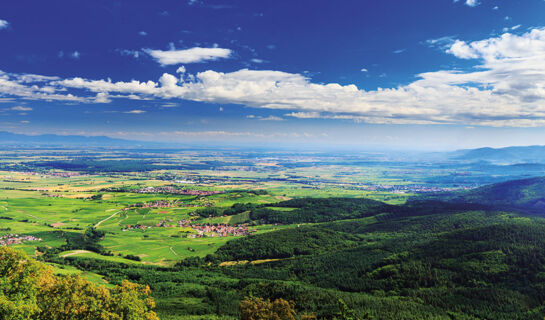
506	87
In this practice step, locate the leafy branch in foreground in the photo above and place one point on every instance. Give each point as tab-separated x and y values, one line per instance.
29	290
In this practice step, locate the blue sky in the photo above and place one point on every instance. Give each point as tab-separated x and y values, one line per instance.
437	74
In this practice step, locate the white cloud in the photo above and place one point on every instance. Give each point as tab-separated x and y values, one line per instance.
181	70
125	52
31	87
271	118
21	108
461	50
472	3
442	42
364	70
192	55
102	97
506	87
135	111
75	55
304	115
3	24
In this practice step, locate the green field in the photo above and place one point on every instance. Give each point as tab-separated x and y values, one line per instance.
204	230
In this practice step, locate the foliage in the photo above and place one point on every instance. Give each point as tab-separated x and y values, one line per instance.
525	195
320	210
252	308
283	244
28	290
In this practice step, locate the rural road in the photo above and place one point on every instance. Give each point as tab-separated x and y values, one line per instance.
101	221
74	253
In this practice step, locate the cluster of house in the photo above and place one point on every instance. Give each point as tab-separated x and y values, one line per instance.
219	230
66	174
165	204
9	239
52	195
135	227
206	230
411	188
156	204
172	190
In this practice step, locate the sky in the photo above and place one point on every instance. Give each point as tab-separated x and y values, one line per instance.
427	74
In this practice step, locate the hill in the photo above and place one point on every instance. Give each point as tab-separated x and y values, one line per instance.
524	195
9	138
526	154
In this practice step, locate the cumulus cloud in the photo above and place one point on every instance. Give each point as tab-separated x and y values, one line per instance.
192	55
461	50
3	24
34	87
506	87
472	3
102	97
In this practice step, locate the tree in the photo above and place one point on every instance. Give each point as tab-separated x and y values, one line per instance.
29	290
345	313
252	308
20	281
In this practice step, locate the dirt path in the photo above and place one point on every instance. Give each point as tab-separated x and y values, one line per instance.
74	253
173	251
101	221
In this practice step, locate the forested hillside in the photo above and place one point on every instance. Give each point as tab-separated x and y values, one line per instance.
429	260
525	195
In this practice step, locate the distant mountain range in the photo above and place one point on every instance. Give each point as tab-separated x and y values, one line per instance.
508	155
8	138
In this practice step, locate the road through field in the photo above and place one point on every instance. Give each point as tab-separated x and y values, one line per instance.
101	221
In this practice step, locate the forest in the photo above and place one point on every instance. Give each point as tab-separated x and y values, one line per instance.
424	260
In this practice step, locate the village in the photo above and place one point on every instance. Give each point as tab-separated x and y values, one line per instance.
172	190
165	204
9	239
202	230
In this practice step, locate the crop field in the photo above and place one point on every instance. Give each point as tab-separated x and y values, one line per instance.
53	194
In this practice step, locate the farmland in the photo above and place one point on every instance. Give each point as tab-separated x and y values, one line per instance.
206	228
